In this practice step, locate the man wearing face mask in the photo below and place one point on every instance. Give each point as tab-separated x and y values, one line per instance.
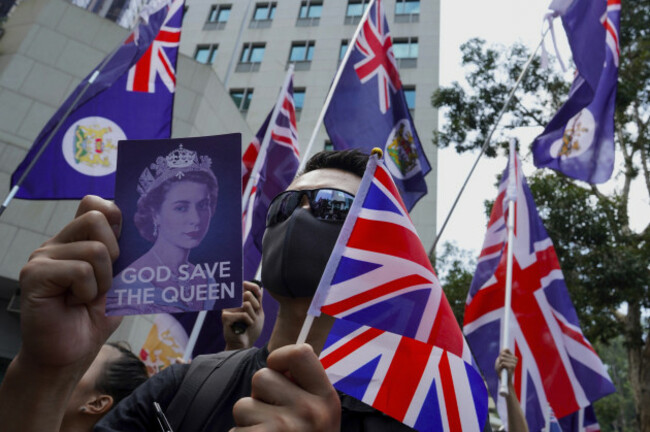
279	387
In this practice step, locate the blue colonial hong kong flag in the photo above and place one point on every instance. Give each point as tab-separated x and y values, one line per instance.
279	150
395	344
131	98
579	140
557	364
368	108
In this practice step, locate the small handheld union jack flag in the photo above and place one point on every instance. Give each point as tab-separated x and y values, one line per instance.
396	344
557	364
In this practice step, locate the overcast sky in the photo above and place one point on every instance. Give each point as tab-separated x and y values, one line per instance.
502	22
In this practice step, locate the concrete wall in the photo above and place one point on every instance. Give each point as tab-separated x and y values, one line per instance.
48	47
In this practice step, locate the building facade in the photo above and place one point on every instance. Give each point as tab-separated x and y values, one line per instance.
250	44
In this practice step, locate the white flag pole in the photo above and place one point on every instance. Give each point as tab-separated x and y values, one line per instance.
198	324
335	82
511	196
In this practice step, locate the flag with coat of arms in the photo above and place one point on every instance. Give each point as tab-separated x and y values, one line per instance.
396	344
278	158
368	108
579	140
128	96
557	365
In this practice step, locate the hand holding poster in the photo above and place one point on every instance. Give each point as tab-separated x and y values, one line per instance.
180	248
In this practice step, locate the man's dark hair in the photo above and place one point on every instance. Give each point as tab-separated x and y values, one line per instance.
352	161
123	375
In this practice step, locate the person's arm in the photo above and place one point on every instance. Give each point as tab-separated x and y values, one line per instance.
292	394
516	418
63	325
250	313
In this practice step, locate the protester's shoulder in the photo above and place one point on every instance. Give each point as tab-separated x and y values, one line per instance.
136	411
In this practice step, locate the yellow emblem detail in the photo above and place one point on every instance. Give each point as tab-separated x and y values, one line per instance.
159	350
90	146
402	151
571	137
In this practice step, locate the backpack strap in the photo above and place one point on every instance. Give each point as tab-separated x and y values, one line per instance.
202	388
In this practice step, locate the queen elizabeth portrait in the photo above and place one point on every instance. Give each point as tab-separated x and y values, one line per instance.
177	198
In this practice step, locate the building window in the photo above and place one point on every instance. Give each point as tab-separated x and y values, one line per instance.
409	95
301	54
328	146
252	55
355	10
298	100
263	15
310	12
343	49
407	10
218	17
406	52
205	53
242	98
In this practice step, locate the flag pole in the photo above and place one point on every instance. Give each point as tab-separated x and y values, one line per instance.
335	82
432	251
511	196
200	319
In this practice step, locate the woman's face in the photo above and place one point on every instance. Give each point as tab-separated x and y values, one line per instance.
184	214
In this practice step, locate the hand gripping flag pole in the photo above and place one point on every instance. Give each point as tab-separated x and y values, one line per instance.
486	143
335	82
511	196
71	108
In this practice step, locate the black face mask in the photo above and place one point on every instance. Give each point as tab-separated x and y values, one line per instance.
295	253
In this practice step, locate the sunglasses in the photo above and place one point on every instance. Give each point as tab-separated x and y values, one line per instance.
326	204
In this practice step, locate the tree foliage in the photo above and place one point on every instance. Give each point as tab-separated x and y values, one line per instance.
605	262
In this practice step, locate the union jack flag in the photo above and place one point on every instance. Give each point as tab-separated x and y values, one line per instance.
375	43
396	344
363	114
160	59
557	364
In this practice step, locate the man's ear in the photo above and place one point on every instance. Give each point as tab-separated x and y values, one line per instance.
100	404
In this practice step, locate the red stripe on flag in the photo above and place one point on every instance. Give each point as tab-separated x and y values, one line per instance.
486	300
372	294
141	71
517	378
449	393
576	336
445	332
390	239
350	346
402	378
167	66
169	36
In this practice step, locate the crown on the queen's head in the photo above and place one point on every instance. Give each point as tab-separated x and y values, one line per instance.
175	164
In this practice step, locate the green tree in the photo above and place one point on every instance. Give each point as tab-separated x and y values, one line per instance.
605	262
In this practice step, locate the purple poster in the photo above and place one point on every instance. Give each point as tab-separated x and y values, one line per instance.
180	248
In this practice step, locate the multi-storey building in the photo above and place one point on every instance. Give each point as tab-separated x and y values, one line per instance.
250	44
